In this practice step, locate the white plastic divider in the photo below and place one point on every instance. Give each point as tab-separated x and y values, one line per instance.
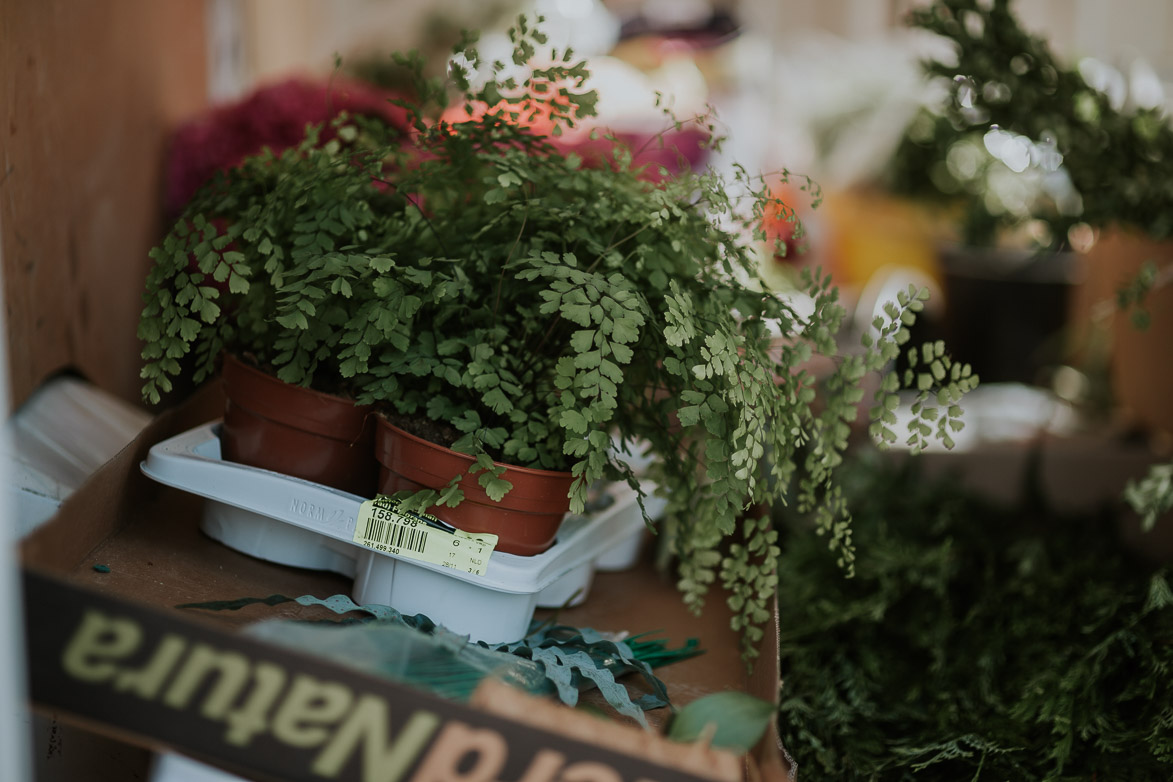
303	524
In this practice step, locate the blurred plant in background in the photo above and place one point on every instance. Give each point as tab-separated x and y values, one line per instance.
1024	146
1022	138
992	182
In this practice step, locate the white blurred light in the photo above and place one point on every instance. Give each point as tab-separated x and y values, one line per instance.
1045	154
1145	88
626	96
964	161
1058	185
1011	148
1106	79
965	92
492	47
586	26
678	13
574	9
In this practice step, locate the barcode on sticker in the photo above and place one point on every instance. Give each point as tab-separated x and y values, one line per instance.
397	536
383	527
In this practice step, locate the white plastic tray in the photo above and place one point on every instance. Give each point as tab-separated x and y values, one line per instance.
295	522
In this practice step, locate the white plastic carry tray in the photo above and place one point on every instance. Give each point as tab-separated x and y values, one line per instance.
294	522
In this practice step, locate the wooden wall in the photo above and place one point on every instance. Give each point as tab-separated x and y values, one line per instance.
89	92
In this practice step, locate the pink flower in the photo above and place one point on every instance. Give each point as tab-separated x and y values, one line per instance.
274	116
677	150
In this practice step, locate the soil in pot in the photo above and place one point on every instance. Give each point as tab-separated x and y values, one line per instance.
296	431
525	521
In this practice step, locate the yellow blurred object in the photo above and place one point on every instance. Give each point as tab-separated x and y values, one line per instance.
867	230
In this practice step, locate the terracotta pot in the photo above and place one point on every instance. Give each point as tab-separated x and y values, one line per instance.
1140	365
526	520
296	431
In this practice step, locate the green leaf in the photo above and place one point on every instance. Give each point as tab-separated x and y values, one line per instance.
294	320
495	487
573	421
237	283
622	353
497	401
575	448
626	330
209	311
730	720
582	340
589	360
188	329
451	496
576	313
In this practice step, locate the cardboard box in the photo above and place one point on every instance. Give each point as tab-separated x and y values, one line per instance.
105	707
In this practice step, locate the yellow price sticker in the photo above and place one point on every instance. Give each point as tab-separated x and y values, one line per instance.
382	526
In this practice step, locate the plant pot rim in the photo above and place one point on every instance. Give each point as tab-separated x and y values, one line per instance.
233	358
1010	264
315	411
513	468
526	519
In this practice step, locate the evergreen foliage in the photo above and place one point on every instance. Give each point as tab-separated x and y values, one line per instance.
975	643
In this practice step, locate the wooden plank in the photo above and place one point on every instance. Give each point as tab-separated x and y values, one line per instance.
89	94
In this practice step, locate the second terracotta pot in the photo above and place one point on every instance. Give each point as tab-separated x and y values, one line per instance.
526	520
1141	372
296	431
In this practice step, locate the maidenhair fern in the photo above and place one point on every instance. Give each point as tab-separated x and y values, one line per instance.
536	300
267	260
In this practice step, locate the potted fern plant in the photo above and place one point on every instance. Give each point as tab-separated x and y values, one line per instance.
257	276
538	313
549	314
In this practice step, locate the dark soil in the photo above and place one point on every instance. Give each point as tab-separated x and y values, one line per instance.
425	428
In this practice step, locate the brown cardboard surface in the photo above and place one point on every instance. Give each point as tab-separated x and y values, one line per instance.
155	677
696	758
640	600
147	536
113	496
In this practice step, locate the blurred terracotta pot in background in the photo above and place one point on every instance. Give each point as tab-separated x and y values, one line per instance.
1141	361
